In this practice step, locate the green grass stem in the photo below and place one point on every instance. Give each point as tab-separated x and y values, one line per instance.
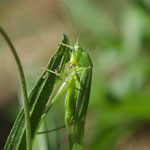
24	89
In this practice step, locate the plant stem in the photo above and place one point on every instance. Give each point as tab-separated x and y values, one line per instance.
24	89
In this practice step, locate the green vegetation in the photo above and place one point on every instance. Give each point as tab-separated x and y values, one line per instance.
117	36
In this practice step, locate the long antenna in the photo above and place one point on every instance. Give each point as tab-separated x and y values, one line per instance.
80	30
79	34
73	25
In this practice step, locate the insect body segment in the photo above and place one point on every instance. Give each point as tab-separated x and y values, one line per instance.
70	104
77	83
81	57
79	97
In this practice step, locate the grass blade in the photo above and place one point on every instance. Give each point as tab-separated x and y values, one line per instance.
38	99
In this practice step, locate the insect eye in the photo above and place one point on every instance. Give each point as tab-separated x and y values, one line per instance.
77	47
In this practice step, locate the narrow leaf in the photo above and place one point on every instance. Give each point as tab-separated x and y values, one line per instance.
38	99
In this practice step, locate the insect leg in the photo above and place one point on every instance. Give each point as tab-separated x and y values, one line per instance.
66	45
60	91
70	105
52	71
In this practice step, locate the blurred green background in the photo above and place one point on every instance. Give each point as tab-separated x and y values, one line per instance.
116	33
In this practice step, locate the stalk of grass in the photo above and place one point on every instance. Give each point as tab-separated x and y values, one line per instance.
24	88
